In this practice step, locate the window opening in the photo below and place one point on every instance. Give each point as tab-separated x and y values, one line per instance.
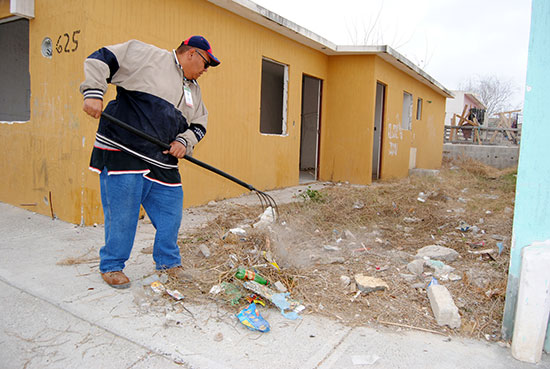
419	109
274	93
15	88
407	111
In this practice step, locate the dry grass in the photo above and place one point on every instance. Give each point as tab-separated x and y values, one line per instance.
82	259
380	242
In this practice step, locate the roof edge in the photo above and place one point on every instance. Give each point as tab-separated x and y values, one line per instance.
273	21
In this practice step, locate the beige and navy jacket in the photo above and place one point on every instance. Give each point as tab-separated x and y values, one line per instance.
150	96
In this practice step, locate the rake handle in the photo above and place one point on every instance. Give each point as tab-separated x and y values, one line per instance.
166	146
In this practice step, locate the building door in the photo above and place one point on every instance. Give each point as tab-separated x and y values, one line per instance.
378	127
310	128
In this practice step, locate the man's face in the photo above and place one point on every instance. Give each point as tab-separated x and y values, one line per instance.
198	62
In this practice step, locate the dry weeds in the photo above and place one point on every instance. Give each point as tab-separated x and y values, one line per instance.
372	229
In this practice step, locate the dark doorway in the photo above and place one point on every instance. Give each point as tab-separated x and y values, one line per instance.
310	128
378	128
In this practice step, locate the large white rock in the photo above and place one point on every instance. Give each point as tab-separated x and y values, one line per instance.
416	266
368	284
443	306
438	253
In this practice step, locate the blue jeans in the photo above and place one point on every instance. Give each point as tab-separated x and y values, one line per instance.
121	197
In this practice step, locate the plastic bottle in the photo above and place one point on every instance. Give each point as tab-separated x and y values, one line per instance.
243	273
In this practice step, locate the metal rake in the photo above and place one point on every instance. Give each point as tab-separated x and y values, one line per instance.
266	200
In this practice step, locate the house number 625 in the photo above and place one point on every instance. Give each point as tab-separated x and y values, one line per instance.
64	40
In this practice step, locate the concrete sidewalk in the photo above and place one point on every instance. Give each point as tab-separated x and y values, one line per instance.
65	316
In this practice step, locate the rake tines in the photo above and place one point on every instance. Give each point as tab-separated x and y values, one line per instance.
267	202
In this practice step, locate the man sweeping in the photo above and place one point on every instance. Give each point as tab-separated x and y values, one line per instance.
157	93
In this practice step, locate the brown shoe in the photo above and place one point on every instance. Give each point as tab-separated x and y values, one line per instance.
116	279
178	273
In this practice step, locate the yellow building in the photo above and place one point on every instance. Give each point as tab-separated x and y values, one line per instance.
284	104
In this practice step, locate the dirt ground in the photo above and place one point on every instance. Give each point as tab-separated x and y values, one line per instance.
327	236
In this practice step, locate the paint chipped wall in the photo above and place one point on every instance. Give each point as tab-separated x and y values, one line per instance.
44	155
48	156
425	137
346	138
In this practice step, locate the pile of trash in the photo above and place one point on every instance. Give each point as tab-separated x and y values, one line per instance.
240	283
430	253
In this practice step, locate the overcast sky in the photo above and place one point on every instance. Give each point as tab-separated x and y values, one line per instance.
452	40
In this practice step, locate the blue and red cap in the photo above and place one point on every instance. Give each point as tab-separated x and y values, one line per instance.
203	44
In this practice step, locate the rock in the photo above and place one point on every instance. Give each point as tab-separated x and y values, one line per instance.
440	268
212	203
204	250
336	260
416	266
345	281
437	253
454	277
443	306
358	204
369	284
408	277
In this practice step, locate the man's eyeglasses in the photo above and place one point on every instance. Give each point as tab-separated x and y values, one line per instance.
206	63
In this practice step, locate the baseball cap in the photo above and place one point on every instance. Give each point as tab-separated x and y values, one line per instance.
203	44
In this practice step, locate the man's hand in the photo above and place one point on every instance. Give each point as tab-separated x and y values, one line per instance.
177	149
93	107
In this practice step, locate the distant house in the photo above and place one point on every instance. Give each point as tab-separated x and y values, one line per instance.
285	102
461	99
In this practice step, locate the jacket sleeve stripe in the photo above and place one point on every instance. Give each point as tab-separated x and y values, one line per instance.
198	130
106	56
93	93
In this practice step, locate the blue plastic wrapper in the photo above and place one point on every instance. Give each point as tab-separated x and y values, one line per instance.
252	319
500	247
280	300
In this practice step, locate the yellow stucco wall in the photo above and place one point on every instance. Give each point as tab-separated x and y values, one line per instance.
5	9
48	156
346	138
425	135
